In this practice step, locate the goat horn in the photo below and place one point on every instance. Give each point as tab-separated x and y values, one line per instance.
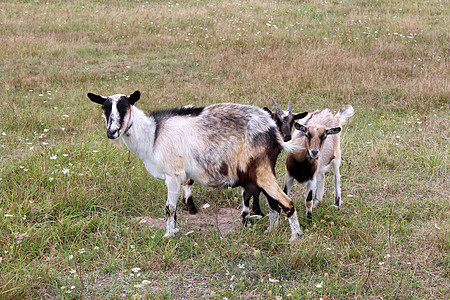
289	105
276	105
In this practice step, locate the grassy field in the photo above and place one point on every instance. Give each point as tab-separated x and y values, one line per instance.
73	206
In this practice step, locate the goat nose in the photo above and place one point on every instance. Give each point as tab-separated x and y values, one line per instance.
287	138
314	153
112	134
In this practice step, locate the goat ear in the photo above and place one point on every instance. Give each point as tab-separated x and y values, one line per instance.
300	115
268	110
333	130
134	97
300	127
96	98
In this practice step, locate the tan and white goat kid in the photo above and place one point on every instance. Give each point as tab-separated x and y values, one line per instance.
320	133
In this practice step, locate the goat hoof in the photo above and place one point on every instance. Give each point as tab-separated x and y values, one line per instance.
259	213
193	210
247	222
171	234
295	237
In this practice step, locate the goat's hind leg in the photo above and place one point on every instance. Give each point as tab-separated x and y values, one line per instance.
187	196
245	207
274	212
256	209
275	195
337	184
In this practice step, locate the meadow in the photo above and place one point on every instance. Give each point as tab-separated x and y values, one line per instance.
75	208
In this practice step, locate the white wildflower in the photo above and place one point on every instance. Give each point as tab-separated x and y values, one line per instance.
65	171
206	205
135	270
54	156
273	280
82	250
319	285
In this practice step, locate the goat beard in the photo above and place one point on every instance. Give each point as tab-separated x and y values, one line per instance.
118	142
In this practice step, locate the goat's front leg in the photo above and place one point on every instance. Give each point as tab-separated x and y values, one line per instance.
310	187
320	188
173	191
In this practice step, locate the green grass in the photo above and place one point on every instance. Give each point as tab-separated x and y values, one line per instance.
71	202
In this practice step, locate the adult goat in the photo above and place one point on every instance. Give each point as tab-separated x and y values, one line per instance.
284	119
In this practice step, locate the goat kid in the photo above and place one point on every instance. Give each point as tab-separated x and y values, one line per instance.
284	120
320	133
219	145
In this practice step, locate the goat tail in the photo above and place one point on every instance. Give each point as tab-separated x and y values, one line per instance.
345	113
293	146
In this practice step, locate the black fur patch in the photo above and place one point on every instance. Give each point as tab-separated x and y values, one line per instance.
191	206
160	116
107	107
223	169
301	171
309	199
337	200
123	105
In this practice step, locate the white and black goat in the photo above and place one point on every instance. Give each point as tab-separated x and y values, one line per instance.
284	120
320	133
219	145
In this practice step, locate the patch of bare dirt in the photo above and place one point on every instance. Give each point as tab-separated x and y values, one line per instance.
225	220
